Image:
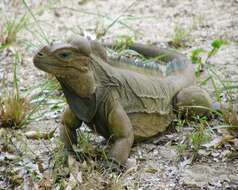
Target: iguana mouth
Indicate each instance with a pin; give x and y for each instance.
(46, 66)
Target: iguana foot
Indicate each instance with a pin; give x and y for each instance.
(121, 149)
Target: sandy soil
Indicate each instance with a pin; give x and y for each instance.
(155, 164)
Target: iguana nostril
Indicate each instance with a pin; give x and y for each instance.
(40, 54)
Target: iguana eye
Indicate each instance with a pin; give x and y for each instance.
(64, 55)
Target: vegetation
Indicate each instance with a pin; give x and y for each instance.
(204, 64)
(13, 108)
(10, 29)
(41, 161)
(199, 136)
(122, 43)
(180, 37)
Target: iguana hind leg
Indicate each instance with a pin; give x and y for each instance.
(192, 101)
(195, 101)
(68, 128)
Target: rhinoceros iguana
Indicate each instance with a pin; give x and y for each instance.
(121, 102)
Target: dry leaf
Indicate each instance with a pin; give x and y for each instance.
(46, 182)
(40, 135)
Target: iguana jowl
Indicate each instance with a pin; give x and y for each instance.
(123, 105)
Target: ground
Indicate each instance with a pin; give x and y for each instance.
(166, 161)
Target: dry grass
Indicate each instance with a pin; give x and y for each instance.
(13, 111)
(93, 174)
(10, 29)
(13, 108)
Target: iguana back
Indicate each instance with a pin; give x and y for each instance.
(172, 65)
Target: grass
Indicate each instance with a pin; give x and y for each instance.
(13, 111)
(122, 43)
(86, 151)
(201, 133)
(120, 20)
(181, 149)
(41, 32)
(199, 136)
(93, 174)
(17, 109)
(120, 16)
(180, 37)
(11, 27)
(9, 30)
(13, 107)
(203, 64)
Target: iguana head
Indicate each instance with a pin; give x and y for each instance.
(70, 60)
(64, 59)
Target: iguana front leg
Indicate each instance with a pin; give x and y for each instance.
(122, 133)
(68, 128)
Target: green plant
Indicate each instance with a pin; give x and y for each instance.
(179, 122)
(115, 183)
(13, 111)
(199, 136)
(13, 107)
(181, 148)
(122, 42)
(10, 29)
(181, 37)
(197, 59)
(86, 151)
(203, 64)
(17, 108)
(93, 174)
(59, 159)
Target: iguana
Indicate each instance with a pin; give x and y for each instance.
(123, 104)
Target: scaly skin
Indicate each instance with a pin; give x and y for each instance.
(120, 104)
